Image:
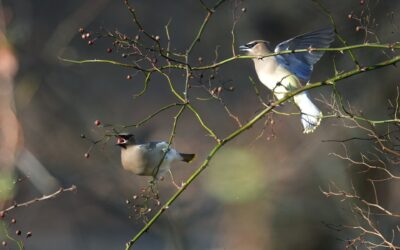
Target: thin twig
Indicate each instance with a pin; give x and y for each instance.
(44, 197)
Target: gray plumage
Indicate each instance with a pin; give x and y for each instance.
(148, 159)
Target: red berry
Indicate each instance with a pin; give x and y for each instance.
(90, 42)
(97, 122)
(81, 30)
(87, 155)
(2, 214)
(128, 77)
(18, 232)
(13, 221)
(28, 234)
(109, 50)
(4, 243)
(362, 2)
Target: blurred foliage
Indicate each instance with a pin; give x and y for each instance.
(234, 176)
(6, 186)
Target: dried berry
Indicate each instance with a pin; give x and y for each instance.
(28, 234)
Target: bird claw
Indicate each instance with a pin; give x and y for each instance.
(179, 187)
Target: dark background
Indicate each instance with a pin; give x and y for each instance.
(256, 194)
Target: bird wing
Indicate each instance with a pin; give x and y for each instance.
(301, 64)
(158, 147)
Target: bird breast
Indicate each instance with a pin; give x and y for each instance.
(274, 76)
(137, 161)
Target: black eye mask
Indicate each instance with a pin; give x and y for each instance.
(251, 45)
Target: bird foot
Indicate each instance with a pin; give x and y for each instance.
(179, 187)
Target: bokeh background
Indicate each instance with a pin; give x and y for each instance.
(258, 193)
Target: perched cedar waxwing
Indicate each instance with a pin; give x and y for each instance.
(147, 159)
(287, 72)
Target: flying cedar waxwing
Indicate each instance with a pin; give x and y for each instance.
(287, 72)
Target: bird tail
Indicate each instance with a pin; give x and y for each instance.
(187, 157)
(311, 116)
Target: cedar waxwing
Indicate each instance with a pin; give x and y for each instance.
(148, 159)
(286, 72)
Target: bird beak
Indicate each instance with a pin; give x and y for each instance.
(244, 48)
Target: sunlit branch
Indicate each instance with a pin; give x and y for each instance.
(247, 126)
